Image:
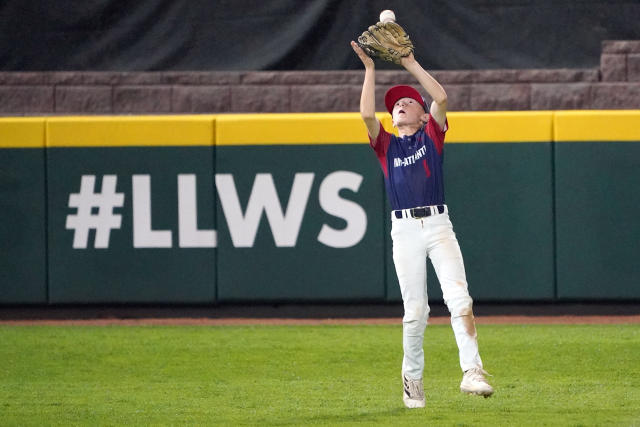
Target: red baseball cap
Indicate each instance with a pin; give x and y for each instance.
(402, 91)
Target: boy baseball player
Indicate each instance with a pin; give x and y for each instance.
(412, 167)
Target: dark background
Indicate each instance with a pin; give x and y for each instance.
(153, 35)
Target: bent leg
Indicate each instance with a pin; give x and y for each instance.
(446, 258)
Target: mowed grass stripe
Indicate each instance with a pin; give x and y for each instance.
(320, 375)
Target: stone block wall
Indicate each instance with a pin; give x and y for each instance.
(614, 85)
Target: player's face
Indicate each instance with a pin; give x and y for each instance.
(407, 111)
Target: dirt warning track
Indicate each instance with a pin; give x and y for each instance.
(312, 314)
(481, 320)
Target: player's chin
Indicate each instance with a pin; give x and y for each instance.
(403, 121)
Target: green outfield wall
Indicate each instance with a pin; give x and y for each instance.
(291, 207)
(148, 248)
(23, 277)
(597, 187)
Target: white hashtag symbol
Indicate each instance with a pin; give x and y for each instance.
(85, 201)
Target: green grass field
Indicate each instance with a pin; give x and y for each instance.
(568, 375)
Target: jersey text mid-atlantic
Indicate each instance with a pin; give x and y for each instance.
(410, 159)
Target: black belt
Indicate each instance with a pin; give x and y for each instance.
(421, 212)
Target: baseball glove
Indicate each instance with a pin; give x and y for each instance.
(387, 41)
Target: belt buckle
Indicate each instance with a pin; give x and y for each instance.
(420, 212)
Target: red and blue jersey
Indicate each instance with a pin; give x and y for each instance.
(412, 166)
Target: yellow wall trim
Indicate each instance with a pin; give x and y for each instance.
(500, 126)
(309, 129)
(291, 129)
(22, 132)
(597, 125)
(117, 131)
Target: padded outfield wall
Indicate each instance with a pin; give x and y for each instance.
(291, 207)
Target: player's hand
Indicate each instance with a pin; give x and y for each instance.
(366, 60)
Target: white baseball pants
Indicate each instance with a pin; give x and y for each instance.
(413, 241)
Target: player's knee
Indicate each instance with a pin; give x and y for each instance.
(461, 306)
(416, 312)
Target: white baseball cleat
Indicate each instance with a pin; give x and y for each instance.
(413, 394)
(474, 382)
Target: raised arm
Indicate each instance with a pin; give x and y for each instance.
(368, 96)
(439, 105)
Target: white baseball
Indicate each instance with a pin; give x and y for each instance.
(387, 16)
